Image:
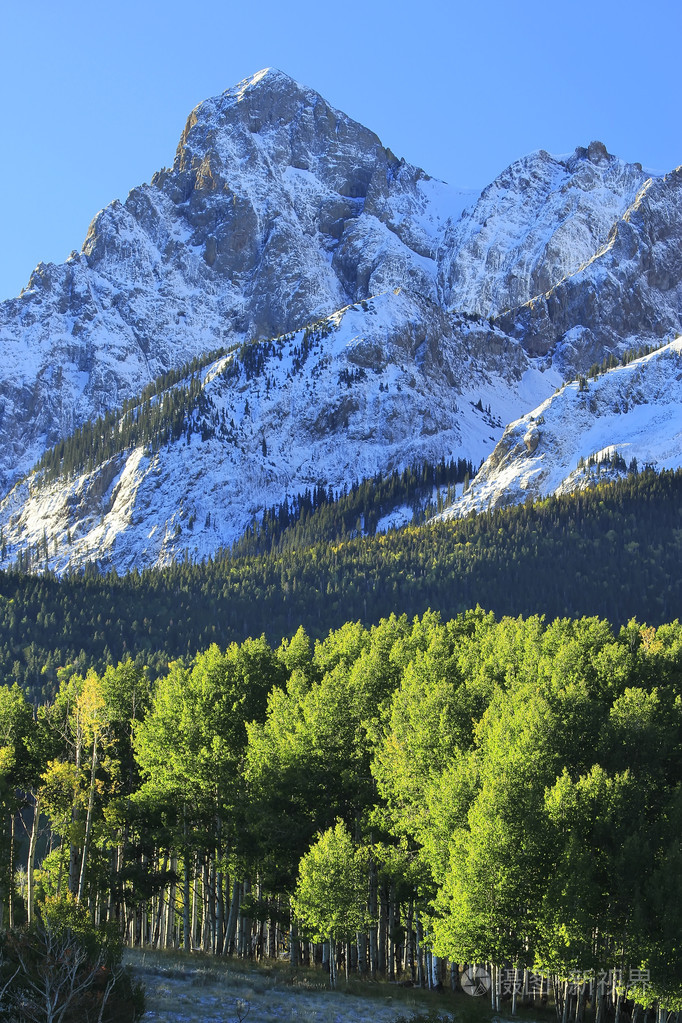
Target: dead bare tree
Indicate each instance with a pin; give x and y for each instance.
(58, 977)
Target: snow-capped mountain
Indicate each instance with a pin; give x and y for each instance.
(590, 431)
(431, 304)
(277, 210)
(630, 289)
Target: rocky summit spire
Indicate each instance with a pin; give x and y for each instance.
(270, 117)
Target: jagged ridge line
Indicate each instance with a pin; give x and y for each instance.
(333, 319)
(606, 247)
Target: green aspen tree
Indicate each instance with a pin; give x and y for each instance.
(331, 893)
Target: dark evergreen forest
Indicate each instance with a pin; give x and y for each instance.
(614, 551)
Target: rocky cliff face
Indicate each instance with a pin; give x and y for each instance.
(630, 289)
(535, 225)
(366, 390)
(279, 211)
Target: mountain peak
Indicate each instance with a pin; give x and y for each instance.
(268, 97)
(266, 78)
(434, 318)
(596, 153)
(274, 108)
(262, 127)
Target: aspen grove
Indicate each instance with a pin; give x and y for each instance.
(398, 801)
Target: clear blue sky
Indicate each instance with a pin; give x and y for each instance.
(94, 95)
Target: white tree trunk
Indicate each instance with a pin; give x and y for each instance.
(88, 821)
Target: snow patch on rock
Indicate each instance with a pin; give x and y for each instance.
(568, 441)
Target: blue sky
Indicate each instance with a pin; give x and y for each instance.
(94, 95)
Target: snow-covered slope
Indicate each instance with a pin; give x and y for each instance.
(353, 396)
(571, 440)
(536, 224)
(631, 288)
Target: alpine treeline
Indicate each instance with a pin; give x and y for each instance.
(614, 551)
(175, 405)
(320, 514)
(401, 799)
(164, 411)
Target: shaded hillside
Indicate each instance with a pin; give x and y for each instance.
(615, 551)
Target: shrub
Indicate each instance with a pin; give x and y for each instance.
(62, 969)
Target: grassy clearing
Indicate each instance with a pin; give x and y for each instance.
(199, 989)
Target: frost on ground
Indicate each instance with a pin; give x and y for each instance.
(193, 992)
